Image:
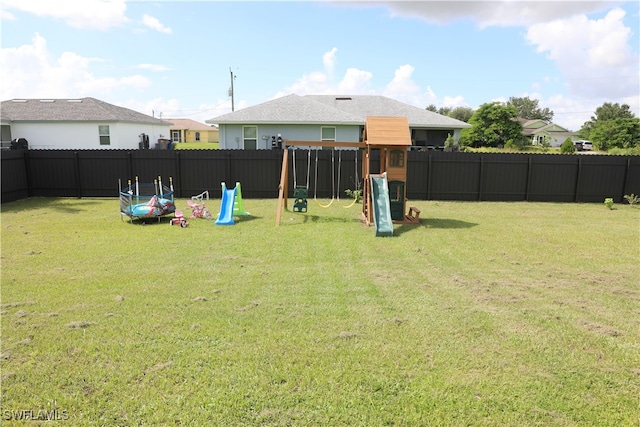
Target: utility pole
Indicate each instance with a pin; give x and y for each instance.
(231, 90)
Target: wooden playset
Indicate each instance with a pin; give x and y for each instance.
(392, 137)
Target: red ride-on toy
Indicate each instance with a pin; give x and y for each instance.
(198, 208)
(179, 219)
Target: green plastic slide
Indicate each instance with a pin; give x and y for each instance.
(381, 205)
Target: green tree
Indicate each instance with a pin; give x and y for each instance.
(620, 133)
(461, 113)
(432, 107)
(493, 125)
(612, 125)
(444, 111)
(528, 108)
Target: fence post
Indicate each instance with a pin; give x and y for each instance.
(76, 168)
(178, 172)
(625, 182)
(579, 173)
(130, 156)
(481, 173)
(528, 189)
(27, 172)
(429, 175)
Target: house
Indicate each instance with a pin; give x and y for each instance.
(537, 131)
(327, 118)
(187, 130)
(84, 123)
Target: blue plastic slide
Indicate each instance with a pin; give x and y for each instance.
(381, 205)
(225, 217)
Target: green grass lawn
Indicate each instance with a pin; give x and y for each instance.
(485, 314)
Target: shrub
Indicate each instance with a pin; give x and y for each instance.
(608, 202)
(567, 147)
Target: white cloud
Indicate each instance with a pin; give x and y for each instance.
(454, 101)
(493, 13)
(595, 56)
(403, 88)
(329, 60)
(97, 14)
(570, 113)
(315, 82)
(355, 82)
(155, 24)
(359, 82)
(29, 71)
(152, 67)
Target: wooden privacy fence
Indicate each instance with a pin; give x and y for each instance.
(431, 175)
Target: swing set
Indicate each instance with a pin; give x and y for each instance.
(381, 206)
(301, 192)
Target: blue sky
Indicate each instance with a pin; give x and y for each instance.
(173, 58)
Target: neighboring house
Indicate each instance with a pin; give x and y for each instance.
(5, 133)
(85, 123)
(537, 131)
(327, 118)
(187, 130)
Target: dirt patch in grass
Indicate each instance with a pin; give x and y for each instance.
(80, 325)
(160, 366)
(598, 328)
(249, 306)
(16, 304)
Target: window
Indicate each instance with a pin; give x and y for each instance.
(175, 136)
(197, 136)
(328, 133)
(103, 131)
(250, 137)
(396, 159)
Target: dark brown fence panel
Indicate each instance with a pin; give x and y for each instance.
(632, 178)
(257, 171)
(148, 165)
(100, 172)
(504, 178)
(601, 177)
(454, 176)
(432, 175)
(200, 170)
(418, 168)
(553, 178)
(15, 185)
(53, 173)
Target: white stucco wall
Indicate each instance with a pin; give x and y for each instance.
(85, 135)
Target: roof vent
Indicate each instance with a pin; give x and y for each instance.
(47, 100)
(18, 100)
(74, 100)
(345, 98)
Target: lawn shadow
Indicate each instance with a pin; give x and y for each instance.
(327, 219)
(445, 223)
(432, 223)
(55, 204)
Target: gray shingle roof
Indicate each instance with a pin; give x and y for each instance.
(290, 109)
(82, 109)
(336, 110)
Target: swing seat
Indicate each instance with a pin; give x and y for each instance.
(300, 194)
